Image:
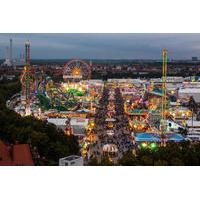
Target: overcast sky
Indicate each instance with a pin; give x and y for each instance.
(104, 46)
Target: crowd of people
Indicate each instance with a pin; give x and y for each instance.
(108, 120)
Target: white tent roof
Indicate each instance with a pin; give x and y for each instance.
(110, 120)
(195, 123)
(79, 122)
(57, 121)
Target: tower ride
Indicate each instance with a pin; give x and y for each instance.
(164, 96)
(27, 77)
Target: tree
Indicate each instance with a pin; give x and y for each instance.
(161, 163)
(128, 159)
(50, 143)
(176, 162)
(106, 161)
(146, 160)
(93, 162)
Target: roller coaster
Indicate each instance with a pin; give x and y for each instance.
(64, 96)
(51, 96)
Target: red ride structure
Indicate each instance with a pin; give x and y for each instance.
(25, 79)
(27, 49)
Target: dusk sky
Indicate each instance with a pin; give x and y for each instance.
(103, 46)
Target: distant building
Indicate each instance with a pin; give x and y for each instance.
(118, 67)
(9, 60)
(71, 161)
(194, 58)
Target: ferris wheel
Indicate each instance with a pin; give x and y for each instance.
(76, 70)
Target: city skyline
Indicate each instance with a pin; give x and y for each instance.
(103, 46)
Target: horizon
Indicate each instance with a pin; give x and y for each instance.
(112, 59)
(104, 46)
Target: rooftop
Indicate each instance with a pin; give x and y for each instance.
(22, 155)
(72, 157)
(19, 154)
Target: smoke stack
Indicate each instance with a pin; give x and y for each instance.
(27, 52)
(7, 53)
(11, 50)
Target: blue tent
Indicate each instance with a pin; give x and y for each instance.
(147, 137)
(175, 138)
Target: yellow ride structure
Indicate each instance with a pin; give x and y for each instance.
(164, 90)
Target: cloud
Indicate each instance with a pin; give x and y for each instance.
(113, 45)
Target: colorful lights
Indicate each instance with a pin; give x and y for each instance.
(144, 145)
(152, 146)
(92, 124)
(110, 125)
